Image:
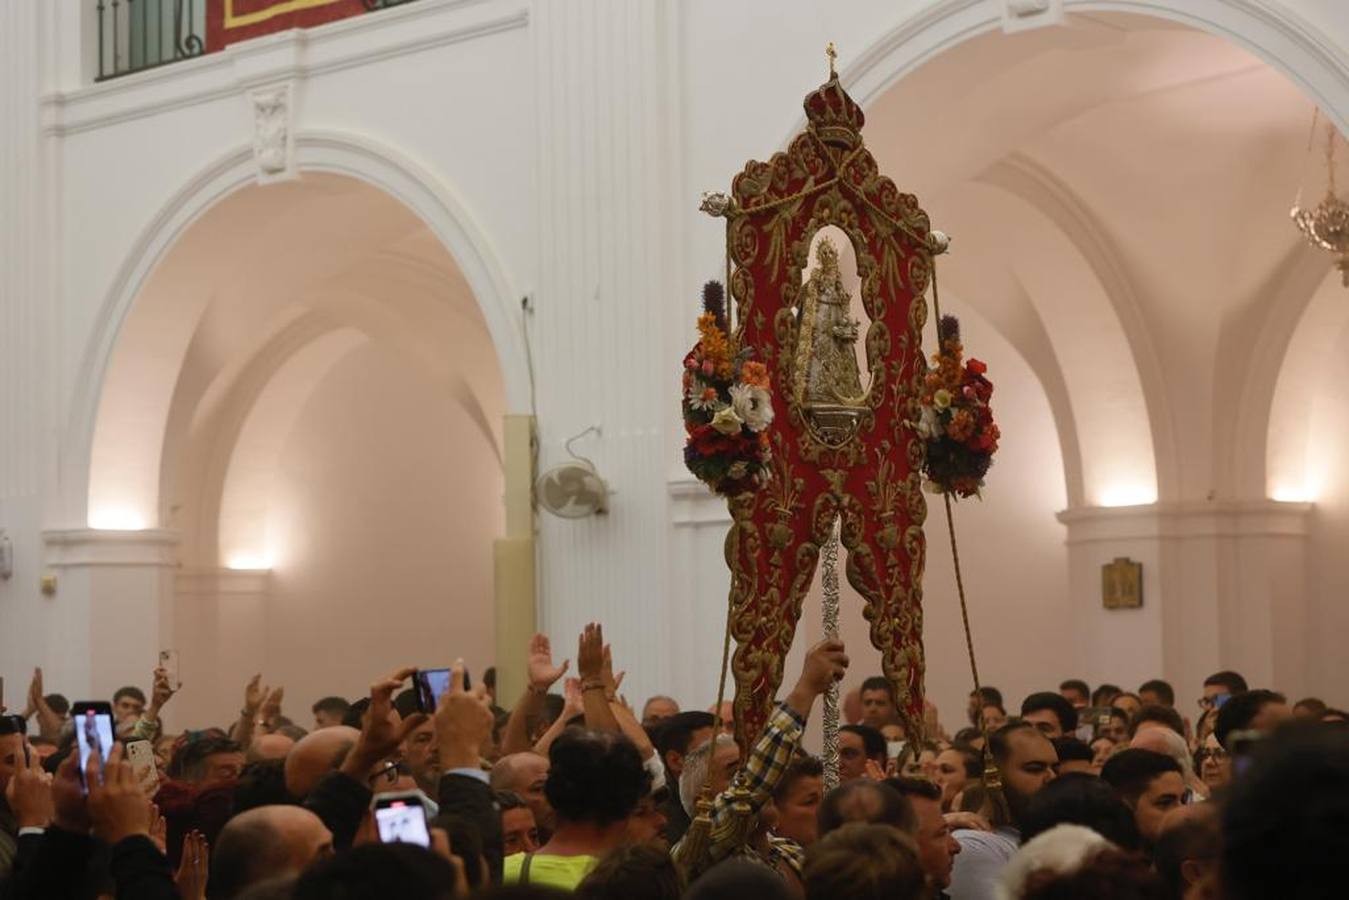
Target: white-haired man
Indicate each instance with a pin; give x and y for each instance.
(742, 791)
(1165, 741)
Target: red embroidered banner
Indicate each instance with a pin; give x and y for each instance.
(231, 21)
(843, 445)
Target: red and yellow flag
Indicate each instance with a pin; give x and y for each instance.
(231, 21)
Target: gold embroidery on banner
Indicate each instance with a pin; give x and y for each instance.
(779, 207)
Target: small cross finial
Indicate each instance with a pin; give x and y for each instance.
(832, 53)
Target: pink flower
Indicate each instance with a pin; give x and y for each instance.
(709, 368)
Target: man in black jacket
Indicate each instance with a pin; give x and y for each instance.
(115, 815)
(463, 727)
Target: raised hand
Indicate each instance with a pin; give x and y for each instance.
(161, 693)
(117, 805)
(572, 704)
(874, 771)
(463, 723)
(159, 829)
(611, 683)
(379, 736)
(35, 695)
(590, 654)
(254, 694)
(542, 673)
(29, 793)
(271, 707)
(825, 664)
(195, 867)
(68, 795)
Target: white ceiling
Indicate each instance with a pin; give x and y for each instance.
(1166, 160)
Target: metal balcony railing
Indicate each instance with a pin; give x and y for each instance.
(135, 35)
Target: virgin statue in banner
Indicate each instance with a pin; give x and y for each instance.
(839, 449)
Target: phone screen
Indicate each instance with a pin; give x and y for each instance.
(402, 822)
(168, 661)
(93, 728)
(432, 684)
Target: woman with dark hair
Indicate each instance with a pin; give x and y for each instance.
(595, 780)
(957, 765)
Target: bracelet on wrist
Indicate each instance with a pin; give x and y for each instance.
(593, 686)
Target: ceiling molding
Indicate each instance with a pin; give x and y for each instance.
(66, 548)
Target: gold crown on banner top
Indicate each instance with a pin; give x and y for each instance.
(834, 116)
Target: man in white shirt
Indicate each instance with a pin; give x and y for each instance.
(1026, 760)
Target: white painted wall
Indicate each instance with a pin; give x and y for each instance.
(1328, 611)
(386, 504)
(564, 145)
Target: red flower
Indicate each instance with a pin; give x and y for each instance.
(975, 366)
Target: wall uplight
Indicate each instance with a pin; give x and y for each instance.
(249, 562)
(116, 518)
(1126, 495)
(1291, 493)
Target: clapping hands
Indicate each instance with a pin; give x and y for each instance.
(542, 673)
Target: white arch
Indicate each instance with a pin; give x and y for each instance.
(432, 201)
(1273, 33)
(1297, 465)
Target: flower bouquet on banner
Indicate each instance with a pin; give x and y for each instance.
(955, 419)
(727, 404)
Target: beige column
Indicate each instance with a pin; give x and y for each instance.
(513, 556)
(111, 594)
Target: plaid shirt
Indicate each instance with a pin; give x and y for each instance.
(735, 812)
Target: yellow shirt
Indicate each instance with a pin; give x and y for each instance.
(562, 872)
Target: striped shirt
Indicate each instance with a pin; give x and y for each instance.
(735, 811)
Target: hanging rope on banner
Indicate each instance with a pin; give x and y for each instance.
(938, 243)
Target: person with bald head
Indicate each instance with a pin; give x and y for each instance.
(269, 746)
(1164, 740)
(863, 800)
(330, 769)
(526, 774)
(317, 754)
(657, 710)
(265, 843)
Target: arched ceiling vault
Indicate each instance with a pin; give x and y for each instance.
(240, 322)
(1145, 171)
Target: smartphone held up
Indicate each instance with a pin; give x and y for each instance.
(431, 685)
(168, 661)
(93, 730)
(401, 818)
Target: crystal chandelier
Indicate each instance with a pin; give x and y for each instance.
(1327, 224)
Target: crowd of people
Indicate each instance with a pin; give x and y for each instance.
(1077, 792)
